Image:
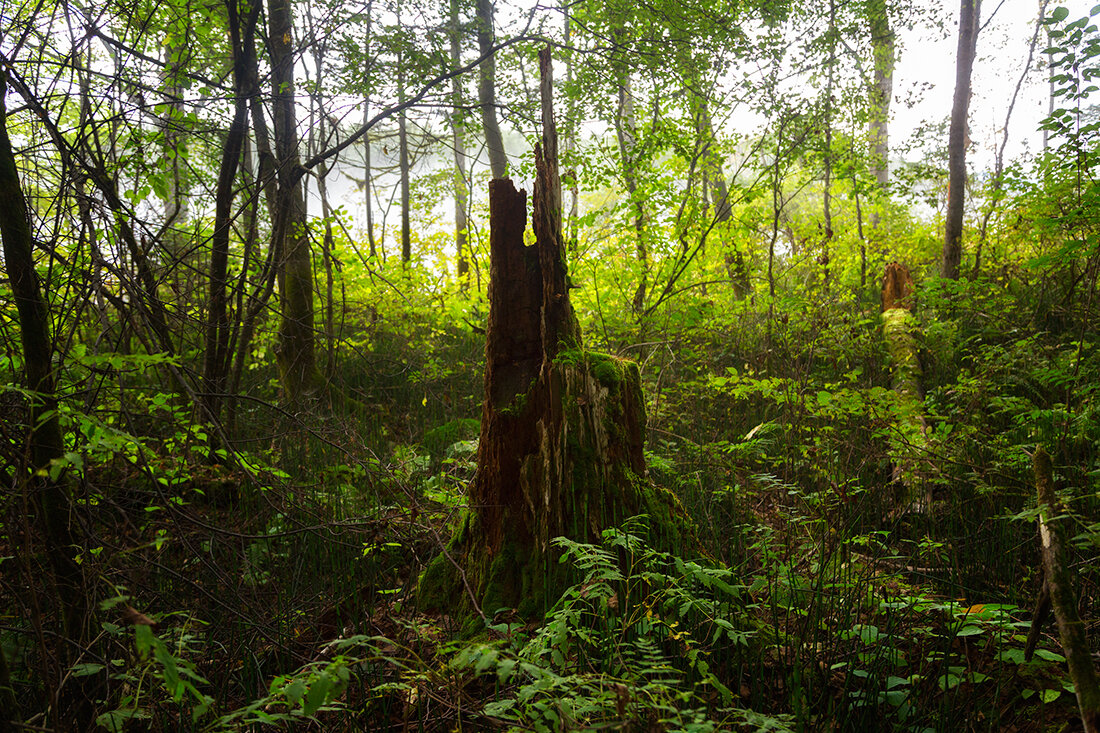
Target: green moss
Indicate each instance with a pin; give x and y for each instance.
(570, 357)
(609, 370)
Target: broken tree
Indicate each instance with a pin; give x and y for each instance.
(899, 330)
(562, 429)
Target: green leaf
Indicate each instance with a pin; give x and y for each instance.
(317, 695)
(143, 638)
(1048, 696)
(87, 669)
(169, 671)
(294, 691)
(1060, 13)
(949, 681)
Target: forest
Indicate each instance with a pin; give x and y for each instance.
(462, 365)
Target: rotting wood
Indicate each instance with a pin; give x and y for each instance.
(899, 331)
(1059, 582)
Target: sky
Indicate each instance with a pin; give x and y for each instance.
(1002, 54)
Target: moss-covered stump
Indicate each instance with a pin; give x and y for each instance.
(581, 470)
(562, 429)
(899, 331)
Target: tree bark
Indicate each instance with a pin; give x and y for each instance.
(1058, 577)
(296, 349)
(970, 11)
(486, 90)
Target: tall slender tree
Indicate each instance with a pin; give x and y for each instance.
(216, 356)
(486, 90)
(969, 15)
(296, 348)
(883, 49)
(458, 141)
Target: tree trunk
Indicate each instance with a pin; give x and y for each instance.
(1058, 576)
(882, 93)
(403, 163)
(626, 130)
(562, 429)
(970, 12)
(458, 133)
(569, 148)
(827, 157)
(910, 435)
(486, 90)
(295, 354)
(715, 178)
(216, 357)
(45, 483)
(367, 168)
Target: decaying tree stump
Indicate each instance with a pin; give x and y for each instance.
(562, 429)
(899, 330)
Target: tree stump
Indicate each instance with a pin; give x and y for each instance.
(562, 429)
(899, 330)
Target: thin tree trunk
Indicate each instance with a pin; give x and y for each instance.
(827, 203)
(321, 141)
(486, 91)
(777, 209)
(47, 486)
(626, 130)
(1058, 576)
(216, 357)
(970, 12)
(715, 182)
(569, 143)
(882, 93)
(176, 210)
(368, 195)
(296, 348)
(458, 132)
(403, 163)
(859, 233)
(266, 180)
